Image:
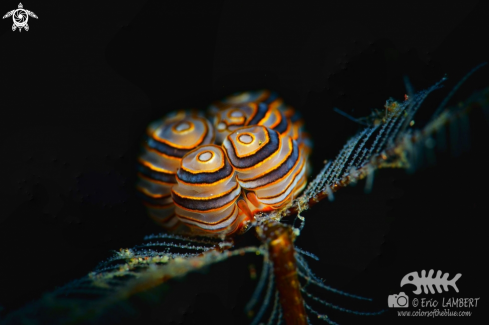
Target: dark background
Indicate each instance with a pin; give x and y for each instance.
(78, 89)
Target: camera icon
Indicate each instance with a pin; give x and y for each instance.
(398, 301)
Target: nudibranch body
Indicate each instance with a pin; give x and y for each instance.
(212, 175)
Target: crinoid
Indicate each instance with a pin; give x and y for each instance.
(262, 271)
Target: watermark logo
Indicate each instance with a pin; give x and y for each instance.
(398, 301)
(431, 307)
(20, 16)
(428, 282)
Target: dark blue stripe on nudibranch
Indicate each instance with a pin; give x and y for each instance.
(205, 178)
(271, 98)
(282, 170)
(205, 205)
(262, 109)
(264, 152)
(297, 116)
(158, 176)
(282, 126)
(166, 149)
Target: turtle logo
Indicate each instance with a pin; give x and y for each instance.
(20, 17)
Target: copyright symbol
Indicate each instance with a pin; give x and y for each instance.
(415, 302)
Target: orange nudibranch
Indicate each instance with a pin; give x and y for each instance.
(211, 175)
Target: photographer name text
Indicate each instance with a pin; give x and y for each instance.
(450, 302)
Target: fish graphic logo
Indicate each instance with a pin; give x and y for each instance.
(428, 282)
